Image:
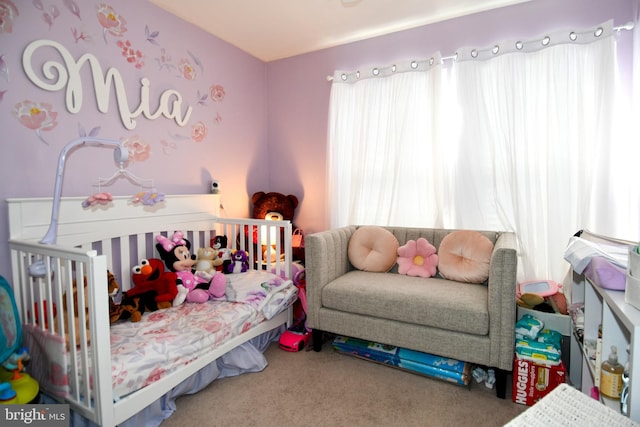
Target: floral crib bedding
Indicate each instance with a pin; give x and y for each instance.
(145, 351)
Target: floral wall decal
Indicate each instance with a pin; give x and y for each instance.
(73, 7)
(133, 56)
(49, 14)
(186, 70)
(164, 61)
(196, 60)
(150, 36)
(4, 68)
(8, 12)
(167, 146)
(83, 133)
(80, 35)
(139, 150)
(111, 22)
(38, 116)
(217, 92)
(62, 74)
(198, 132)
(202, 98)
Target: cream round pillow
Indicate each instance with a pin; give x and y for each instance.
(464, 256)
(373, 248)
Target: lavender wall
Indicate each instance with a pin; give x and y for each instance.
(299, 91)
(172, 55)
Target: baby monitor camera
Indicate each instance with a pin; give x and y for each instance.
(215, 186)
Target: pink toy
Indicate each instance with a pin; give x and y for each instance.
(97, 199)
(417, 258)
(295, 338)
(202, 286)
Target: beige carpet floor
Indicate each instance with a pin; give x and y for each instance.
(332, 389)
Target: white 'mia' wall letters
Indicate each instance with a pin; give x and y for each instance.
(68, 74)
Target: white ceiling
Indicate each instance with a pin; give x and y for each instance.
(276, 29)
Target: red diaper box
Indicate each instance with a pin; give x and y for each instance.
(532, 381)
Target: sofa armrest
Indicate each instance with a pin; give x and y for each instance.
(502, 299)
(326, 258)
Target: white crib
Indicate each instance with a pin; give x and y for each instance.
(114, 237)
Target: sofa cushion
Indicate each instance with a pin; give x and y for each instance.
(465, 255)
(432, 302)
(372, 248)
(417, 258)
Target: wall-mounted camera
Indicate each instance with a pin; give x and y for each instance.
(215, 186)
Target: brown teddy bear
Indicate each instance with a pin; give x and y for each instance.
(265, 203)
(276, 206)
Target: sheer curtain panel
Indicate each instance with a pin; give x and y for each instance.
(536, 142)
(382, 160)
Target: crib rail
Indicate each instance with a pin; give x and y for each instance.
(52, 298)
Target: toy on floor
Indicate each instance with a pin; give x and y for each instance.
(16, 386)
(297, 336)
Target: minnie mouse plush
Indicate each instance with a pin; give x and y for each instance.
(175, 252)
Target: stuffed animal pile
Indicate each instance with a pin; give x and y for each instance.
(154, 289)
(201, 285)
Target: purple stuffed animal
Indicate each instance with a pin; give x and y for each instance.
(239, 262)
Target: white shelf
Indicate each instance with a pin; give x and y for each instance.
(619, 322)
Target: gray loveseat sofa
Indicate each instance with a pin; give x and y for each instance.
(468, 322)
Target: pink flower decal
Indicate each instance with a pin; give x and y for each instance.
(110, 21)
(38, 116)
(217, 92)
(8, 12)
(198, 132)
(132, 56)
(186, 69)
(417, 258)
(138, 150)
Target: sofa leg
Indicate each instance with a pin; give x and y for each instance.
(316, 336)
(501, 383)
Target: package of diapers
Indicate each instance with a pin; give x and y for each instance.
(528, 327)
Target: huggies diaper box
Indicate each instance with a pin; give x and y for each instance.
(533, 381)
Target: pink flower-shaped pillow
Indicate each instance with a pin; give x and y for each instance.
(417, 258)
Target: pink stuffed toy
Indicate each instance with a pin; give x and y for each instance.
(202, 286)
(417, 258)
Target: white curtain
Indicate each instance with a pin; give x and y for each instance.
(518, 137)
(382, 160)
(536, 143)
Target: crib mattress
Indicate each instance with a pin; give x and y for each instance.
(164, 340)
(145, 351)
